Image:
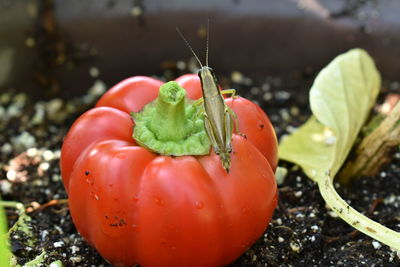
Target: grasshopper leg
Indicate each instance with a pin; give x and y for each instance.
(223, 92)
(235, 120)
(233, 95)
(210, 133)
(198, 102)
(228, 130)
(232, 92)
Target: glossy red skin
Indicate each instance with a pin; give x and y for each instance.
(135, 206)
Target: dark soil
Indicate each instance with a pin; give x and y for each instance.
(303, 231)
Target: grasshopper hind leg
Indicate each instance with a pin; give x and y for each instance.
(228, 130)
(224, 154)
(210, 133)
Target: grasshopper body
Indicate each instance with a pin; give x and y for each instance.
(218, 120)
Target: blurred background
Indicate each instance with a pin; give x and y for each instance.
(52, 48)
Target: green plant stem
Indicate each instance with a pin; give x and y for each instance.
(354, 218)
(171, 125)
(13, 204)
(169, 122)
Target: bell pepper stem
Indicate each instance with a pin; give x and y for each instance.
(171, 124)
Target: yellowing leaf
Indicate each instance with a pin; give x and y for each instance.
(303, 146)
(341, 98)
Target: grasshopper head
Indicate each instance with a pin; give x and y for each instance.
(206, 72)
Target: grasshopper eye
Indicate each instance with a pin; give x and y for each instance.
(217, 152)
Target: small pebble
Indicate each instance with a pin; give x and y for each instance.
(23, 141)
(13, 111)
(56, 264)
(76, 259)
(20, 99)
(57, 154)
(59, 229)
(236, 76)
(298, 194)
(11, 175)
(39, 115)
(285, 114)
(58, 244)
(53, 106)
(376, 244)
(333, 214)
(181, 65)
(48, 155)
(390, 199)
(74, 249)
(267, 96)
(254, 259)
(44, 166)
(44, 234)
(56, 177)
(295, 247)
(5, 186)
(6, 148)
(282, 95)
(5, 98)
(98, 88)
(32, 152)
(280, 175)
(94, 72)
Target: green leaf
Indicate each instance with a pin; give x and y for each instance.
(5, 253)
(341, 99)
(310, 142)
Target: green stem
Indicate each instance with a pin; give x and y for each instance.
(171, 124)
(13, 204)
(356, 219)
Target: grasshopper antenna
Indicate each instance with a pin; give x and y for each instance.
(188, 45)
(208, 37)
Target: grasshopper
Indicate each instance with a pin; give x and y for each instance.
(218, 117)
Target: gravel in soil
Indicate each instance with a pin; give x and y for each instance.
(303, 232)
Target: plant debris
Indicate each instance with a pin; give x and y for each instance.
(375, 148)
